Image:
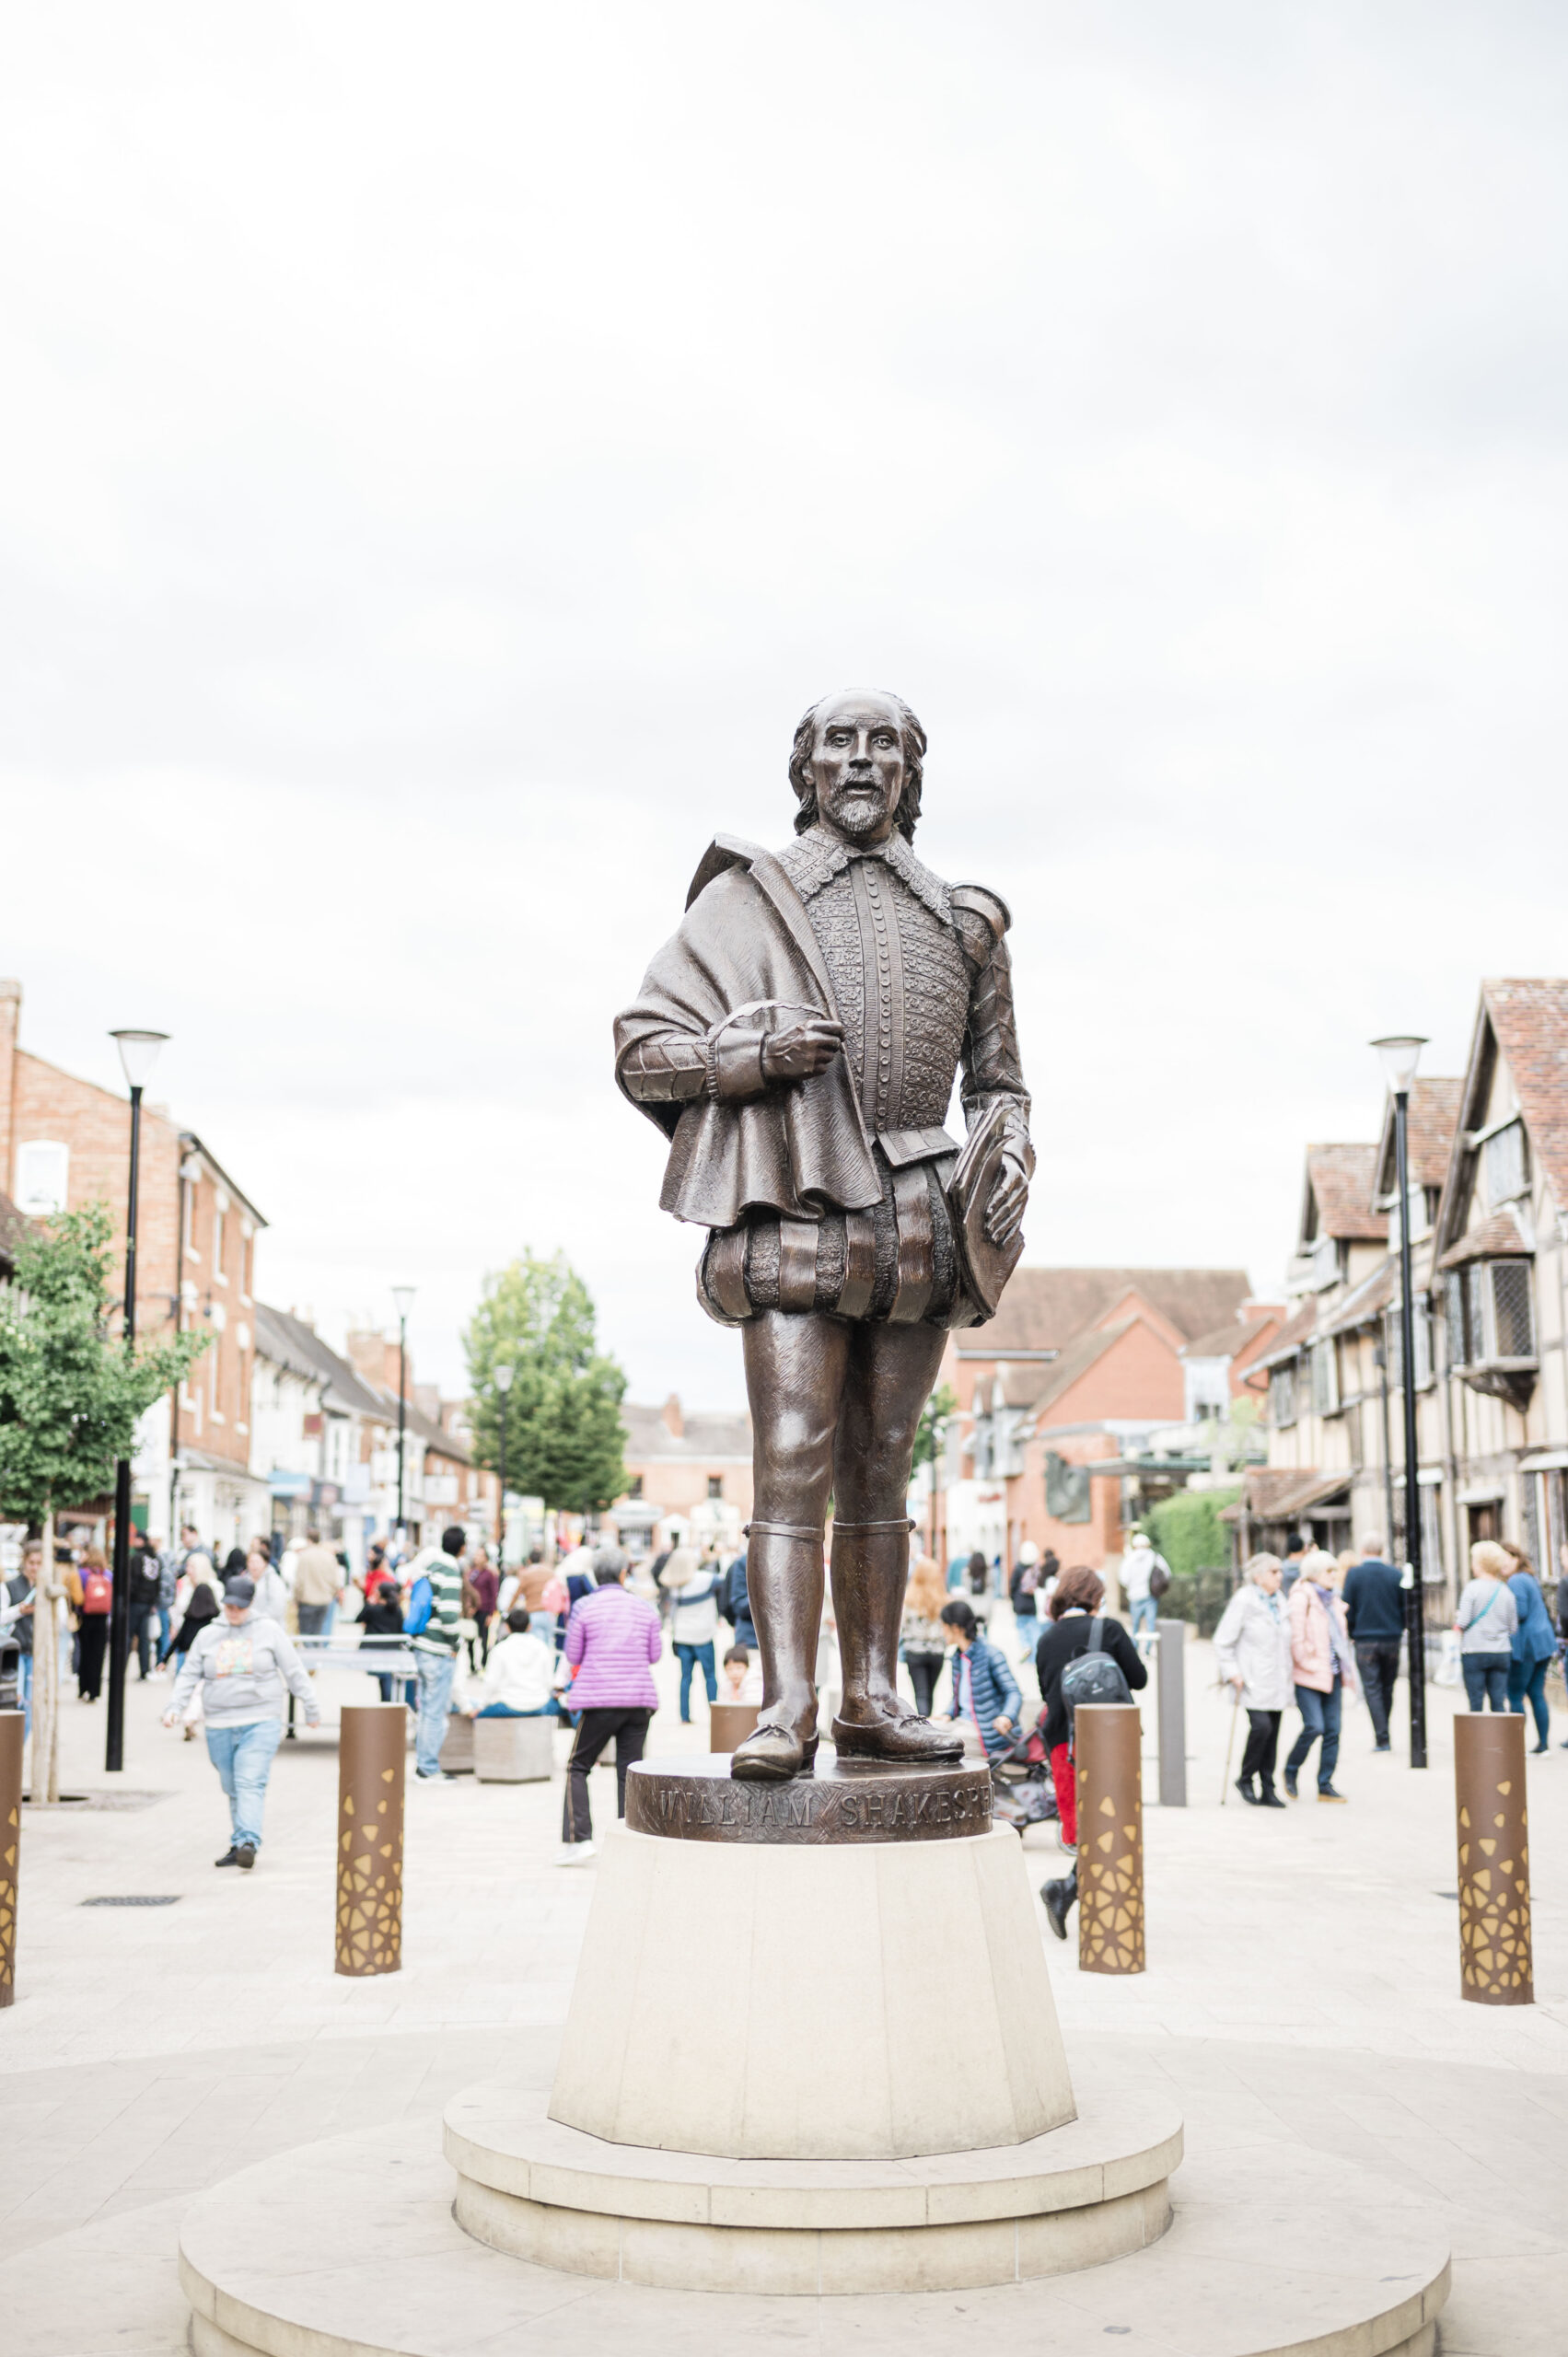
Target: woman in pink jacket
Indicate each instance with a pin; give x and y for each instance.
(612, 1641)
(1322, 1666)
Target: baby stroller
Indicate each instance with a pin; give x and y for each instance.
(1025, 1794)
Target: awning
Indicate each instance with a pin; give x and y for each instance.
(1275, 1493)
(1497, 1238)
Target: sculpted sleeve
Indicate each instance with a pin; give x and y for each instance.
(991, 1066)
(673, 1067)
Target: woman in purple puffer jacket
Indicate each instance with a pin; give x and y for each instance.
(612, 1641)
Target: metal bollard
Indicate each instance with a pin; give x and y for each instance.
(1107, 1745)
(372, 1751)
(1171, 1672)
(1495, 1965)
(12, 1723)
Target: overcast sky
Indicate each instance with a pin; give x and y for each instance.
(446, 447)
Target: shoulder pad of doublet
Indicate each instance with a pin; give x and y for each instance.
(978, 900)
(725, 852)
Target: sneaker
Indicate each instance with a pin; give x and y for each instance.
(1386, 1747)
(434, 1776)
(245, 1856)
(229, 1858)
(575, 1853)
(1290, 1783)
(1326, 1792)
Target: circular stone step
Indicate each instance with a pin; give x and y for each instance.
(697, 1798)
(1086, 2192)
(349, 2248)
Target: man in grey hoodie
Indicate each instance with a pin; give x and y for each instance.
(244, 1665)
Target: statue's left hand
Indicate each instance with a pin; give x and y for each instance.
(1004, 1211)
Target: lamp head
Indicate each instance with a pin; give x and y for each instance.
(402, 1301)
(1400, 1054)
(138, 1054)
(502, 1378)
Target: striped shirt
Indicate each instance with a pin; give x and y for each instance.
(439, 1635)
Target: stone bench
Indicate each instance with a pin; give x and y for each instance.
(514, 1751)
(457, 1750)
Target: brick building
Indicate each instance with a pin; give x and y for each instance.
(685, 1475)
(441, 1481)
(1078, 1368)
(66, 1143)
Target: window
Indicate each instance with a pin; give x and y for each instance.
(217, 1242)
(43, 1170)
(1504, 1165)
(1324, 1258)
(1489, 1313)
(635, 1486)
(1530, 1500)
(1324, 1380)
(716, 1485)
(1430, 1533)
(1282, 1394)
(1394, 1343)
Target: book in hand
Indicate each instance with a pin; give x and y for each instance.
(986, 1266)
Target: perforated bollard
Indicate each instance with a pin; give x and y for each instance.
(11, 1729)
(1107, 1747)
(1495, 1965)
(372, 1753)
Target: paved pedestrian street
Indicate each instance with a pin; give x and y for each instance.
(1302, 1984)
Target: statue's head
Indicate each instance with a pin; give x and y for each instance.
(856, 762)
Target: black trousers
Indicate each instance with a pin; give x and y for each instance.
(925, 1670)
(594, 1728)
(89, 1657)
(1377, 1659)
(1262, 1742)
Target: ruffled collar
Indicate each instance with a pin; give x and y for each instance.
(815, 858)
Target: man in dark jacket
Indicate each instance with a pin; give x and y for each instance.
(735, 1604)
(1375, 1611)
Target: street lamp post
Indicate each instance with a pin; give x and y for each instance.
(1400, 1055)
(503, 1376)
(403, 1302)
(138, 1054)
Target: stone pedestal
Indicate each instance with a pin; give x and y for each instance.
(456, 1756)
(827, 1974)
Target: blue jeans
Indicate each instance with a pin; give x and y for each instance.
(435, 1671)
(1145, 1613)
(24, 1691)
(1319, 1718)
(689, 1657)
(1527, 1681)
(550, 1709)
(243, 1757)
(1486, 1680)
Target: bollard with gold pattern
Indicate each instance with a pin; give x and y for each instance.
(11, 1729)
(1108, 1756)
(372, 1750)
(1495, 1965)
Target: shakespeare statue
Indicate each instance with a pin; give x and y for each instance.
(797, 1041)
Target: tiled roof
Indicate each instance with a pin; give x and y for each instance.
(1497, 1238)
(1041, 1387)
(1429, 1134)
(1290, 1336)
(1363, 1303)
(1227, 1341)
(1044, 1309)
(1340, 1179)
(287, 1341)
(712, 1437)
(1273, 1494)
(1530, 1020)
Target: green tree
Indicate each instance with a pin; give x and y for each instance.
(70, 1397)
(564, 1435)
(943, 1403)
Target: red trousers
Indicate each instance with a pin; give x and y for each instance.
(1066, 1789)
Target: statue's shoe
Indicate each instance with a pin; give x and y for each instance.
(772, 1753)
(911, 1740)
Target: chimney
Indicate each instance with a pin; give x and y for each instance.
(10, 1021)
(671, 1417)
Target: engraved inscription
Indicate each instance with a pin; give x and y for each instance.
(694, 1806)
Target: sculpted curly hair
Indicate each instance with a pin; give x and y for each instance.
(804, 745)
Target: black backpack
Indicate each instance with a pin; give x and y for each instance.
(1092, 1677)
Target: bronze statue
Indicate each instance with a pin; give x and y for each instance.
(798, 1040)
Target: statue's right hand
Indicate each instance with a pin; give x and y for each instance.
(802, 1049)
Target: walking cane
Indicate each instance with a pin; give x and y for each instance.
(1230, 1746)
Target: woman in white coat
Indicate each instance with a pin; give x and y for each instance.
(1252, 1649)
